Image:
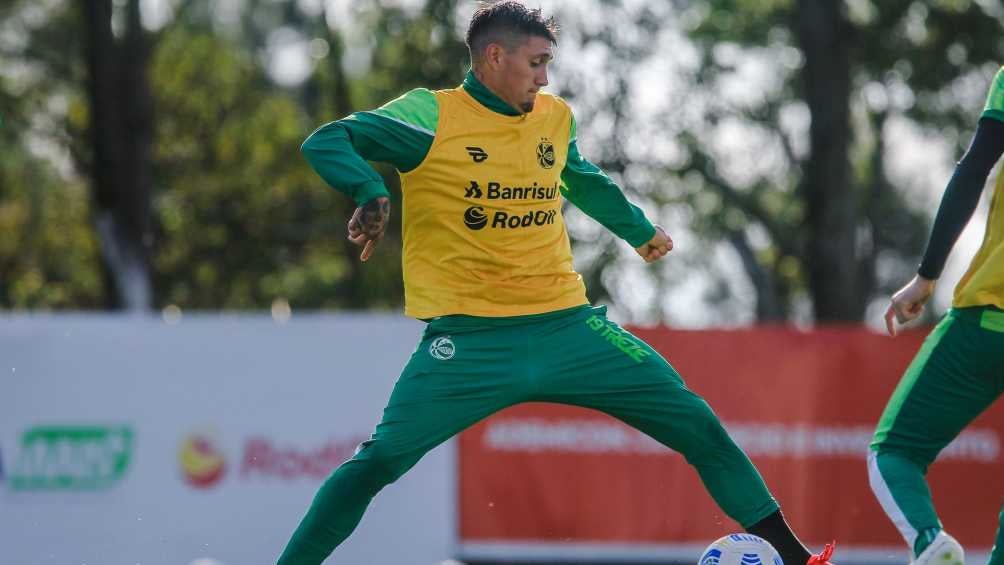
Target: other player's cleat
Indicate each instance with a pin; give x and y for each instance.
(823, 557)
(944, 550)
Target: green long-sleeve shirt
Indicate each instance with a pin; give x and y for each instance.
(401, 133)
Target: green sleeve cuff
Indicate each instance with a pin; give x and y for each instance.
(642, 234)
(993, 113)
(368, 191)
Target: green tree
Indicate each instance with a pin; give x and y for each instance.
(837, 228)
(243, 222)
(49, 255)
(770, 138)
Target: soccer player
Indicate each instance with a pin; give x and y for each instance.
(487, 263)
(959, 371)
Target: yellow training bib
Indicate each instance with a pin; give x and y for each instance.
(482, 225)
(983, 283)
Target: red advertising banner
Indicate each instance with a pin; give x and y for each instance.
(802, 404)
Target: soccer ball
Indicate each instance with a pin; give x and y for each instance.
(740, 549)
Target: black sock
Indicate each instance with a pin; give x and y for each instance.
(775, 530)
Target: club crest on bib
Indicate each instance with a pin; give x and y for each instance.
(545, 153)
(442, 348)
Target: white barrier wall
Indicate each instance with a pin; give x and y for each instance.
(128, 440)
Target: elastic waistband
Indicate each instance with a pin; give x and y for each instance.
(460, 321)
(976, 312)
(988, 316)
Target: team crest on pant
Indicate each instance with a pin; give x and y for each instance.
(442, 348)
(545, 153)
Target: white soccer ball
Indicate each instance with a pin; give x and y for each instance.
(740, 549)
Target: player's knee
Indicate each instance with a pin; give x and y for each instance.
(708, 421)
(715, 433)
(380, 464)
(899, 461)
(708, 436)
(910, 445)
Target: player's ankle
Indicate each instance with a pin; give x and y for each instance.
(924, 539)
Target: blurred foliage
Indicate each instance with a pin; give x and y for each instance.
(410, 50)
(48, 252)
(725, 153)
(240, 221)
(910, 62)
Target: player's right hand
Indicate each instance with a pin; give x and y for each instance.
(908, 302)
(368, 224)
(657, 247)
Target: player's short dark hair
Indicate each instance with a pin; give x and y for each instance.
(508, 23)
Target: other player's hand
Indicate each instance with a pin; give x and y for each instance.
(368, 224)
(657, 247)
(908, 302)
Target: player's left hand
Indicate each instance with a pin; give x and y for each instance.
(368, 224)
(657, 247)
(908, 302)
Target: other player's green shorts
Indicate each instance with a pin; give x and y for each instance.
(956, 375)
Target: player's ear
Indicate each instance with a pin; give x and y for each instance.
(492, 56)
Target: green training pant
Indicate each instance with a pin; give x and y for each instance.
(956, 375)
(467, 368)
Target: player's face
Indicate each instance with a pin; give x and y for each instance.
(525, 72)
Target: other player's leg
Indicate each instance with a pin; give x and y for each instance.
(953, 378)
(997, 553)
